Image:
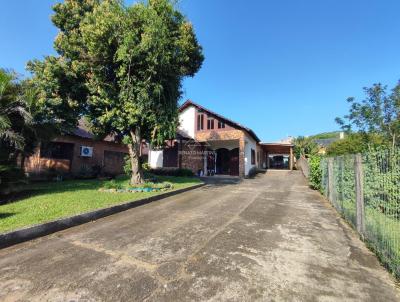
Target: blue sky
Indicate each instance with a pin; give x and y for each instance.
(279, 67)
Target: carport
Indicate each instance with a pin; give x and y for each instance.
(278, 155)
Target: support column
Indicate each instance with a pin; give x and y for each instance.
(291, 158)
(241, 157)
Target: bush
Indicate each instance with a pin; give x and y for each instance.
(112, 184)
(11, 177)
(146, 166)
(315, 177)
(172, 172)
(127, 165)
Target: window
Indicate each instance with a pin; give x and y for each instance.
(210, 123)
(200, 121)
(253, 157)
(56, 150)
(221, 125)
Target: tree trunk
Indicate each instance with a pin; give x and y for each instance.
(134, 154)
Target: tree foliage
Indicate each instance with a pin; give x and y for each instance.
(13, 114)
(315, 176)
(304, 147)
(20, 126)
(354, 143)
(378, 113)
(122, 67)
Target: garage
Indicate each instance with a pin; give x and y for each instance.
(278, 155)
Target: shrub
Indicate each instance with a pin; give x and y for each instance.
(127, 165)
(10, 178)
(315, 177)
(146, 166)
(172, 172)
(112, 184)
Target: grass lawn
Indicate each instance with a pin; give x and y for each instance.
(52, 200)
(382, 234)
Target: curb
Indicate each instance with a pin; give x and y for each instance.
(29, 233)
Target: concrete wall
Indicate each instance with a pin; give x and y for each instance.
(187, 121)
(250, 143)
(156, 158)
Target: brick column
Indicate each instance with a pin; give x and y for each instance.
(241, 157)
(291, 159)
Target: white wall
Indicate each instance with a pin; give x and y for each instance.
(156, 158)
(187, 121)
(250, 143)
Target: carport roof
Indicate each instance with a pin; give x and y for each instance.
(276, 144)
(282, 148)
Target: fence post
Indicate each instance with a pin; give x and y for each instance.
(330, 179)
(358, 175)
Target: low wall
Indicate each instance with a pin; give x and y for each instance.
(303, 165)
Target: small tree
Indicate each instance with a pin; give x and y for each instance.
(304, 147)
(378, 113)
(125, 66)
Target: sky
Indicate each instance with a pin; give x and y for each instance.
(281, 67)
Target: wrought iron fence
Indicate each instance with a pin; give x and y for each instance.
(365, 190)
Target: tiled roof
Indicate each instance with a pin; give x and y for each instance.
(83, 131)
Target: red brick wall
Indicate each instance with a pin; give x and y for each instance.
(191, 158)
(233, 134)
(37, 165)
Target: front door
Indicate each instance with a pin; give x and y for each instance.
(222, 162)
(234, 162)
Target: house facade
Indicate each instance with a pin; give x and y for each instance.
(208, 144)
(78, 153)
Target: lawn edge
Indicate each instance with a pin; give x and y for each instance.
(28, 233)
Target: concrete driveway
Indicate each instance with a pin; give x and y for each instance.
(266, 239)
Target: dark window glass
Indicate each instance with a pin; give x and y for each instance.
(253, 157)
(221, 125)
(210, 123)
(200, 121)
(56, 150)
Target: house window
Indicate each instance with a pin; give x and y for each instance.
(221, 125)
(56, 150)
(253, 157)
(210, 123)
(200, 121)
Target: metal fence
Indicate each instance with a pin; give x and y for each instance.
(365, 190)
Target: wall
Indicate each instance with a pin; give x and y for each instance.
(37, 165)
(156, 158)
(192, 157)
(233, 134)
(187, 121)
(250, 143)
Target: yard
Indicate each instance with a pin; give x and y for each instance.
(48, 201)
(381, 233)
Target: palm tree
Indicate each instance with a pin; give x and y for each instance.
(13, 113)
(304, 146)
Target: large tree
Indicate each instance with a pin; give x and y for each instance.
(377, 114)
(125, 66)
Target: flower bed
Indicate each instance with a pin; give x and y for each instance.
(115, 187)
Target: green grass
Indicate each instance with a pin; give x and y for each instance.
(382, 234)
(52, 200)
